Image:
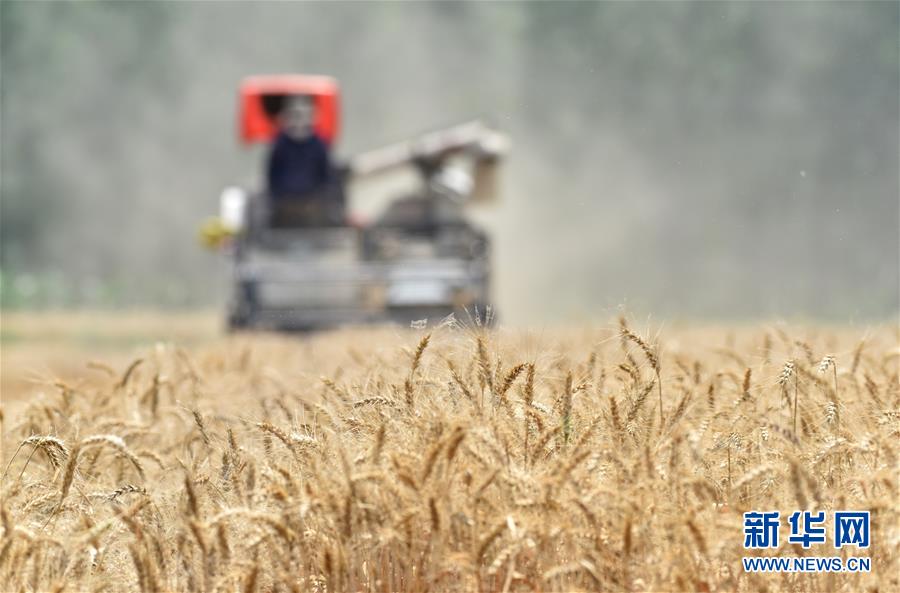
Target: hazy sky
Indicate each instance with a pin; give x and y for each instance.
(686, 159)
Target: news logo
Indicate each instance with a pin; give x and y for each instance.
(807, 529)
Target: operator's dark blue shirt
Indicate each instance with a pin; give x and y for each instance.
(297, 167)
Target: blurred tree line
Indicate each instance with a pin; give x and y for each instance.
(750, 149)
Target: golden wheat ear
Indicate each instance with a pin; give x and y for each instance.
(455, 462)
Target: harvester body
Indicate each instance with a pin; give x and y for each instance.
(421, 258)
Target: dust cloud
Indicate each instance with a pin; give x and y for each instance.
(692, 160)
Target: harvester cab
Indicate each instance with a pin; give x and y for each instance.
(421, 258)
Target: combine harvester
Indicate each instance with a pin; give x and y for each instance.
(421, 258)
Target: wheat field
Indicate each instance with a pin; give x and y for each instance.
(452, 458)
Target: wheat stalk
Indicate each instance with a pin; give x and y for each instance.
(350, 484)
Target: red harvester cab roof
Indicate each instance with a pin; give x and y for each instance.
(260, 93)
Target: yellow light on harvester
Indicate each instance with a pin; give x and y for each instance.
(214, 234)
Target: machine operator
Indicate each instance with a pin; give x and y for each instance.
(299, 171)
